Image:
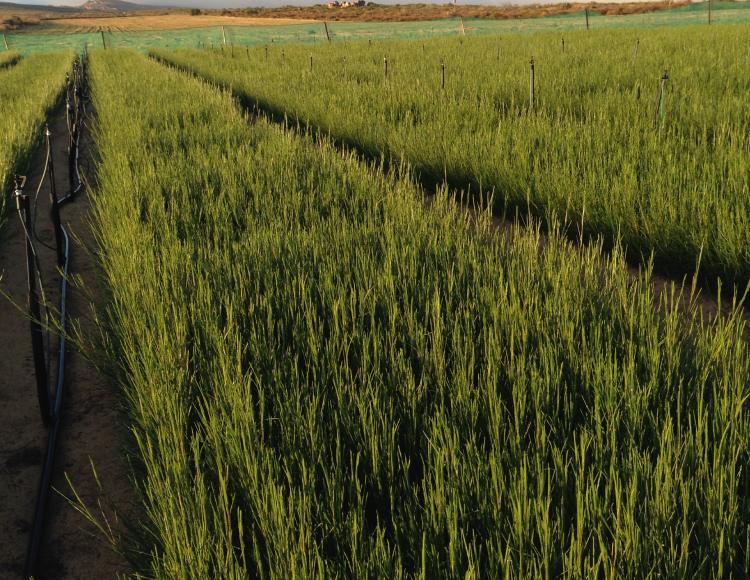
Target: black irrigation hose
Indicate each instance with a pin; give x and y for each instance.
(37, 530)
(74, 128)
(63, 253)
(35, 282)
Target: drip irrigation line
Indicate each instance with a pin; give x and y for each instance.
(35, 540)
(68, 107)
(30, 236)
(54, 402)
(36, 205)
(47, 342)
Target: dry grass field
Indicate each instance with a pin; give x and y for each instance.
(414, 12)
(138, 22)
(21, 18)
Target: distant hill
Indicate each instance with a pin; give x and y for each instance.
(12, 7)
(90, 6)
(112, 6)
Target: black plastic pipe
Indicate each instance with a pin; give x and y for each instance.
(37, 340)
(63, 250)
(37, 530)
(55, 206)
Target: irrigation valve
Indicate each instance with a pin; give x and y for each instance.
(19, 182)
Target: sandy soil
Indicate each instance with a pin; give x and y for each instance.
(91, 426)
(167, 22)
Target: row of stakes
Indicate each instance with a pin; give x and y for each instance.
(424, 49)
(442, 65)
(659, 112)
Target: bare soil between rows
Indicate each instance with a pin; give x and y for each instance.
(91, 428)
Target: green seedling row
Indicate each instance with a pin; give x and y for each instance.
(327, 377)
(595, 149)
(29, 90)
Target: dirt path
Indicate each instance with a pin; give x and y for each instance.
(182, 21)
(91, 425)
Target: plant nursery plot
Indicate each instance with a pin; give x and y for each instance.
(28, 90)
(595, 139)
(325, 377)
